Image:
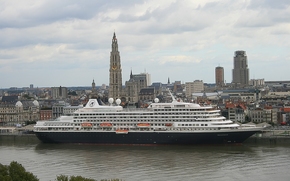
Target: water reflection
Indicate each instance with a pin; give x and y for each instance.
(223, 162)
(143, 160)
(143, 150)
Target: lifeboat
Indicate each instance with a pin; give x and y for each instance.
(168, 124)
(122, 131)
(106, 125)
(87, 125)
(143, 125)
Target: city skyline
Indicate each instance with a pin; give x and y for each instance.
(183, 40)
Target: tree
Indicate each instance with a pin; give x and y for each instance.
(72, 93)
(15, 171)
(4, 175)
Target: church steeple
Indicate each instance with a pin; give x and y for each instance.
(93, 86)
(131, 75)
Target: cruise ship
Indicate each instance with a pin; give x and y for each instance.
(178, 123)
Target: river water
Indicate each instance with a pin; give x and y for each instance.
(142, 163)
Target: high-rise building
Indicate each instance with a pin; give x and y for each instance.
(59, 92)
(240, 71)
(196, 86)
(219, 76)
(115, 83)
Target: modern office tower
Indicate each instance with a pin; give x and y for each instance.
(240, 71)
(219, 76)
(115, 83)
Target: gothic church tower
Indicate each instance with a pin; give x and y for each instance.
(115, 86)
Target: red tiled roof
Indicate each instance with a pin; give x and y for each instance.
(230, 105)
(268, 107)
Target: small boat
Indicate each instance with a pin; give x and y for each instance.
(105, 124)
(122, 131)
(87, 125)
(143, 125)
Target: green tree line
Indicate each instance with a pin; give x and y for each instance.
(16, 172)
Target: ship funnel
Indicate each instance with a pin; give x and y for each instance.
(92, 103)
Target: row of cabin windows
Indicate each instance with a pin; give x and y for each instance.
(150, 124)
(107, 129)
(180, 110)
(125, 124)
(58, 124)
(161, 120)
(128, 124)
(165, 112)
(192, 124)
(145, 115)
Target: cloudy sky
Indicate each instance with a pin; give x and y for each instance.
(68, 43)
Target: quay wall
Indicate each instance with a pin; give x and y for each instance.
(15, 138)
(273, 140)
(270, 137)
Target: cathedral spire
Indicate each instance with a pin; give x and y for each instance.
(114, 38)
(114, 43)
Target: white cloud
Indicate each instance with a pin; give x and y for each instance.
(191, 36)
(178, 59)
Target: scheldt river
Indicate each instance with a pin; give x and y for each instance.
(249, 161)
